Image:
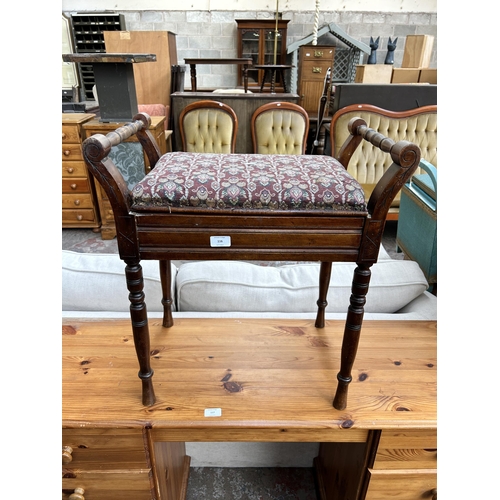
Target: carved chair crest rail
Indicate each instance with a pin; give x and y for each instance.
(199, 206)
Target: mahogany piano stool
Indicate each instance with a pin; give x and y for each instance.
(196, 206)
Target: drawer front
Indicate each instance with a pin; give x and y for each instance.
(74, 169)
(115, 447)
(407, 450)
(314, 70)
(83, 200)
(401, 485)
(71, 133)
(72, 152)
(317, 54)
(83, 215)
(75, 185)
(98, 485)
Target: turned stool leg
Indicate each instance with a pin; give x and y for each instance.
(140, 329)
(166, 288)
(325, 272)
(352, 330)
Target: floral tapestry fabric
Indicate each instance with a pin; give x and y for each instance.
(248, 181)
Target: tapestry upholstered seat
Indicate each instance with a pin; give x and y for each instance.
(221, 206)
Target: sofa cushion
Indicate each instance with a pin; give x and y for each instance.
(241, 286)
(96, 282)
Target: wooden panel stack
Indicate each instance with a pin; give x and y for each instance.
(416, 60)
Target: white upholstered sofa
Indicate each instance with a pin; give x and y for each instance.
(93, 286)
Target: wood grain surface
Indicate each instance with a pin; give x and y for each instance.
(273, 380)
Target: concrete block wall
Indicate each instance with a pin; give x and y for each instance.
(214, 34)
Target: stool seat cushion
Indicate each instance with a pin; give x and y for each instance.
(248, 181)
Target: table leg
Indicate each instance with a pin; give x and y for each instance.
(325, 272)
(352, 331)
(166, 288)
(245, 77)
(285, 88)
(193, 77)
(273, 81)
(263, 81)
(140, 328)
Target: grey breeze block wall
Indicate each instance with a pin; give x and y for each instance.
(214, 34)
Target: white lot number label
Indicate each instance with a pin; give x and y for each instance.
(220, 241)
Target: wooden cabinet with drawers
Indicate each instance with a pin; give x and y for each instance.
(127, 161)
(314, 62)
(383, 446)
(79, 202)
(397, 464)
(405, 466)
(104, 464)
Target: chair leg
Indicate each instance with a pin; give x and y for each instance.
(325, 272)
(352, 331)
(140, 328)
(166, 288)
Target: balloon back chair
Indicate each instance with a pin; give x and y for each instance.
(280, 128)
(208, 127)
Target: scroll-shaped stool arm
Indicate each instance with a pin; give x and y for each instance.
(96, 151)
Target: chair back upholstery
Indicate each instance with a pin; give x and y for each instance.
(368, 163)
(280, 128)
(208, 127)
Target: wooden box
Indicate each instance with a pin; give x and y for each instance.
(418, 51)
(373, 73)
(428, 75)
(405, 75)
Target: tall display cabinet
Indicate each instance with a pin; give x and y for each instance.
(256, 40)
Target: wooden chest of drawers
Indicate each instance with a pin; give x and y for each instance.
(314, 62)
(405, 466)
(157, 129)
(105, 464)
(79, 202)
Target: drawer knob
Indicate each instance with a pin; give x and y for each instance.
(77, 202)
(78, 494)
(316, 69)
(434, 493)
(63, 135)
(73, 186)
(71, 170)
(67, 456)
(79, 217)
(67, 152)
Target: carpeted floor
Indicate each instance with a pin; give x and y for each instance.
(256, 483)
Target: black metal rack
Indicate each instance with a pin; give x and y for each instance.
(88, 37)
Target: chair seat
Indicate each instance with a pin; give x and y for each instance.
(248, 181)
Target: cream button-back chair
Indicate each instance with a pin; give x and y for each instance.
(280, 128)
(368, 163)
(208, 127)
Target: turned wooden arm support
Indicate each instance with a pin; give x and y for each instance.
(405, 156)
(96, 151)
